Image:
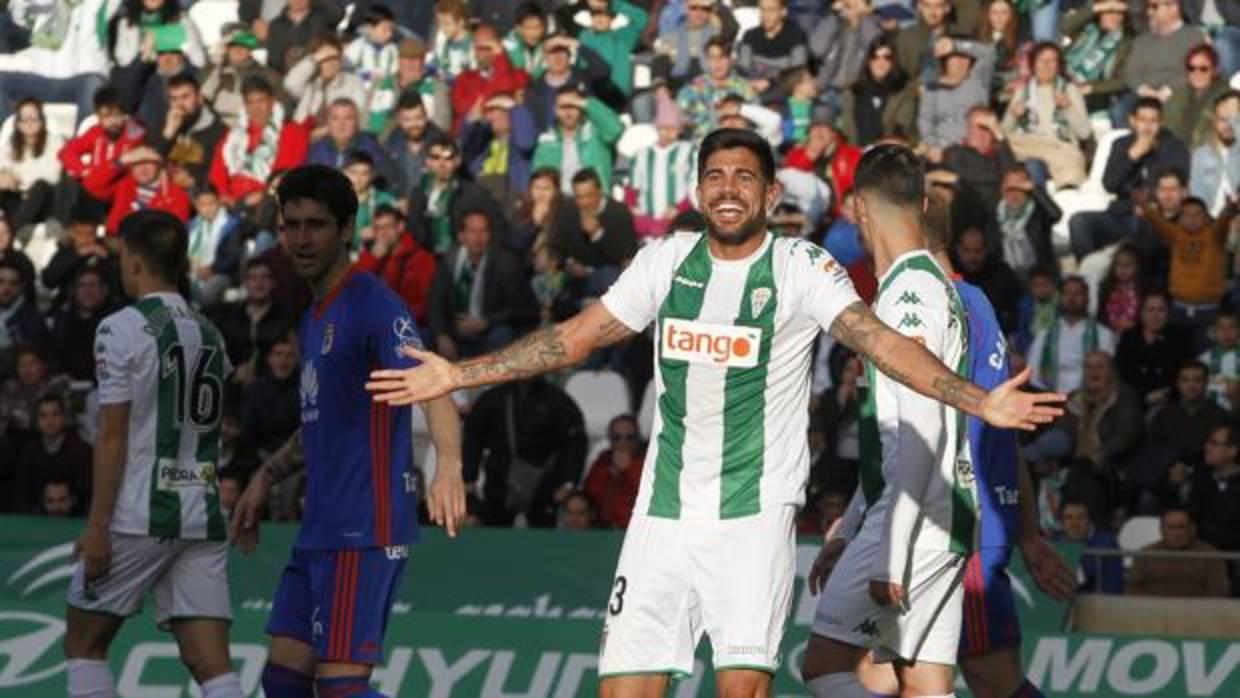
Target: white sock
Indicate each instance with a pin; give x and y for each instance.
(841, 685)
(90, 678)
(223, 686)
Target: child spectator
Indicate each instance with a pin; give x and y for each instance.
(372, 55)
(799, 107)
(1119, 296)
(1223, 358)
(1198, 258)
(360, 169)
(663, 174)
(453, 45)
(524, 44)
(550, 283)
(215, 247)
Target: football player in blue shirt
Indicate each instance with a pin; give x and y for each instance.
(331, 608)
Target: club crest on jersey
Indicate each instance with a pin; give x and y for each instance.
(329, 336)
(309, 385)
(710, 344)
(406, 332)
(758, 300)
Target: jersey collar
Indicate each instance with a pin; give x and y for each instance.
(321, 307)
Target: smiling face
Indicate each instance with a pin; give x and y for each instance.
(735, 195)
(313, 238)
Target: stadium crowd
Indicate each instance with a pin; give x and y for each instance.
(510, 158)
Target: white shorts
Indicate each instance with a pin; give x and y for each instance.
(189, 579)
(678, 578)
(925, 628)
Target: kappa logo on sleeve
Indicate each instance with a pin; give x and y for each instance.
(406, 332)
(710, 344)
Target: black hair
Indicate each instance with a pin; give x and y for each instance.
(107, 96)
(570, 89)
(263, 262)
(184, 80)
(378, 13)
(205, 188)
(9, 264)
(50, 399)
(359, 157)
(896, 79)
(256, 83)
(1147, 103)
(1046, 272)
(731, 138)
(410, 100)
(446, 142)
(720, 42)
(1172, 171)
(1195, 201)
(1074, 279)
(160, 240)
(1229, 94)
(894, 172)
(527, 10)
(324, 184)
(1195, 364)
(1233, 435)
(387, 210)
(587, 174)
(1176, 508)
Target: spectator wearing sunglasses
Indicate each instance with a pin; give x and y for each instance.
(615, 475)
(1189, 112)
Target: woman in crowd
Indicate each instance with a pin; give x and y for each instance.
(535, 211)
(883, 102)
(1047, 119)
(29, 168)
(1189, 111)
(1000, 27)
(1099, 49)
(1119, 297)
(1149, 353)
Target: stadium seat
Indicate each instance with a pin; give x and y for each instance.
(1138, 532)
(61, 118)
(645, 413)
(210, 16)
(1091, 195)
(601, 395)
(87, 124)
(635, 138)
(746, 19)
(642, 76)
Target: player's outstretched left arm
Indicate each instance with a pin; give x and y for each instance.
(445, 500)
(290, 458)
(908, 362)
(542, 351)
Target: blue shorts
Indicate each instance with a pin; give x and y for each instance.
(990, 621)
(338, 601)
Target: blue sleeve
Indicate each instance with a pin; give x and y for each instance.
(390, 325)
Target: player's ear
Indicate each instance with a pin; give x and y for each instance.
(774, 192)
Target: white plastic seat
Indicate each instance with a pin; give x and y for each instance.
(1138, 532)
(746, 18)
(1091, 195)
(210, 16)
(601, 395)
(635, 138)
(61, 118)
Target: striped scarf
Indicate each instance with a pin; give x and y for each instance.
(1092, 56)
(1029, 120)
(257, 163)
(1048, 362)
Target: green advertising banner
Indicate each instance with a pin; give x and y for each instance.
(517, 614)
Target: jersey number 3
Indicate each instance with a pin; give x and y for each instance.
(205, 391)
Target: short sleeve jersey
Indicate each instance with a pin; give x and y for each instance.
(733, 342)
(916, 474)
(168, 362)
(359, 464)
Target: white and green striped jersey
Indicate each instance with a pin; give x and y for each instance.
(916, 473)
(663, 177)
(732, 369)
(168, 363)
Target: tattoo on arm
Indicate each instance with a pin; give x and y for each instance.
(288, 460)
(611, 332)
(538, 352)
(860, 330)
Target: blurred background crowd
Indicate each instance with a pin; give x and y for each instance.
(511, 156)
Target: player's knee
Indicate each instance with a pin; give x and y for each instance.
(203, 664)
(85, 639)
(744, 684)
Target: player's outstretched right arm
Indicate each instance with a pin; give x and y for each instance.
(545, 350)
(249, 507)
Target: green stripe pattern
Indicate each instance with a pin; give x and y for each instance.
(744, 402)
(683, 301)
(165, 506)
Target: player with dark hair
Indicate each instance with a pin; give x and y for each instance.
(737, 311)
(331, 608)
(155, 524)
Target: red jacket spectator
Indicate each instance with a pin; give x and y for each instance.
(613, 490)
(237, 172)
(476, 85)
(146, 185)
(93, 158)
(828, 155)
(408, 270)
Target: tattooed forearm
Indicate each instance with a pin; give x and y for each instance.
(538, 352)
(903, 359)
(289, 459)
(612, 331)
